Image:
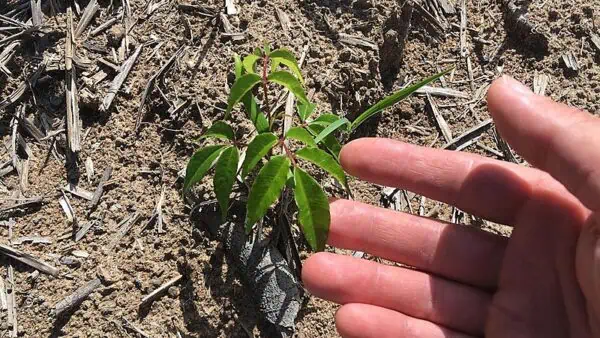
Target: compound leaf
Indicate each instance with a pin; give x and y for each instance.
(199, 164)
(393, 99)
(241, 86)
(220, 130)
(225, 171)
(313, 209)
(330, 142)
(257, 149)
(343, 122)
(266, 189)
(304, 110)
(291, 83)
(249, 62)
(284, 56)
(325, 161)
(302, 135)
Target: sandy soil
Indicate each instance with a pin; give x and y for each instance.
(210, 301)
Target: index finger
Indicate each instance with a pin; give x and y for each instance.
(556, 138)
(491, 189)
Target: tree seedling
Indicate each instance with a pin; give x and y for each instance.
(278, 163)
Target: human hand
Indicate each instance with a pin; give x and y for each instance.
(543, 281)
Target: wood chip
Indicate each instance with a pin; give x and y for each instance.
(105, 25)
(150, 85)
(470, 73)
(31, 239)
(76, 298)
(67, 208)
(439, 119)
(124, 228)
(88, 14)
(463, 28)
(18, 93)
(22, 203)
(73, 123)
(447, 7)
(230, 8)
(284, 20)
(595, 38)
(570, 61)
(28, 260)
(357, 41)
(469, 135)
(540, 82)
(442, 92)
(156, 293)
(11, 303)
(100, 187)
(79, 192)
(37, 17)
(3, 301)
(119, 79)
(89, 169)
(230, 30)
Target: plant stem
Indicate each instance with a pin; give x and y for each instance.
(266, 88)
(289, 154)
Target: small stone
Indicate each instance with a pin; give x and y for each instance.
(105, 277)
(155, 282)
(80, 254)
(114, 35)
(173, 291)
(69, 261)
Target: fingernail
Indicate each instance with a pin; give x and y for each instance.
(516, 85)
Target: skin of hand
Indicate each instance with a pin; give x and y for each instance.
(459, 281)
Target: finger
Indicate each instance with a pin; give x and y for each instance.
(491, 189)
(368, 321)
(452, 251)
(558, 139)
(344, 279)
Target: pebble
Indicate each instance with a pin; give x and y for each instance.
(173, 291)
(69, 261)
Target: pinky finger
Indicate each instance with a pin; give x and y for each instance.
(366, 321)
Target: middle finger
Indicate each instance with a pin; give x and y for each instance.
(456, 252)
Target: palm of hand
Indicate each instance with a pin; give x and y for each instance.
(469, 283)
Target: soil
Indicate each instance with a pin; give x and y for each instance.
(210, 301)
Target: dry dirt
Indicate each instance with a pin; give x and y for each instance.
(210, 301)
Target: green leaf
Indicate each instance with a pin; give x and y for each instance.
(249, 62)
(326, 119)
(290, 82)
(393, 99)
(304, 110)
(199, 164)
(325, 161)
(257, 149)
(302, 135)
(313, 209)
(254, 114)
(220, 130)
(267, 48)
(289, 181)
(239, 67)
(285, 57)
(331, 128)
(240, 87)
(266, 189)
(330, 142)
(225, 171)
